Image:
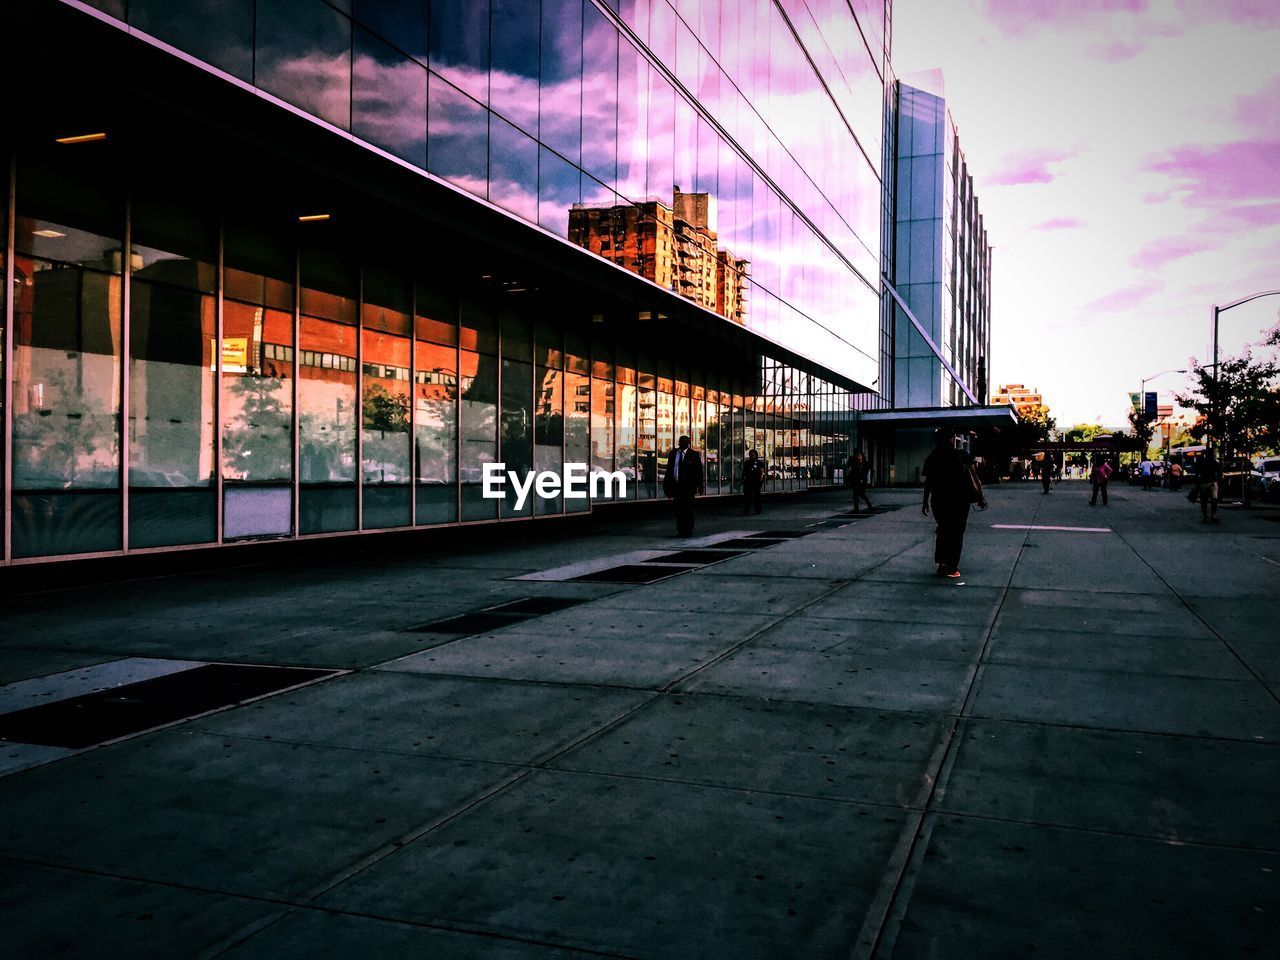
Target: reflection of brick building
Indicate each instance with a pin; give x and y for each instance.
(674, 246)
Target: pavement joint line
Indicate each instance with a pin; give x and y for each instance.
(883, 918)
(1208, 626)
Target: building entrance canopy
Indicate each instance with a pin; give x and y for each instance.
(958, 418)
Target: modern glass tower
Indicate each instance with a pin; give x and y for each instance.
(298, 268)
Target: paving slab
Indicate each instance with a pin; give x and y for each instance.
(741, 594)
(886, 638)
(845, 678)
(641, 662)
(1179, 789)
(1158, 655)
(52, 912)
(1235, 709)
(430, 715)
(935, 601)
(236, 816)
(642, 868)
(793, 748)
(323, 935)
(995, 889)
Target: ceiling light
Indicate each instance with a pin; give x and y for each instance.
(313, 217)
(81, 138)
(48, 234)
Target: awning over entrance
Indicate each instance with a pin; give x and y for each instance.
(960, 418)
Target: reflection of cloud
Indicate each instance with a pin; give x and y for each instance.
(1166, 250)
(389, 105)
(1059, 223)
(314, 82)
(1030, 167)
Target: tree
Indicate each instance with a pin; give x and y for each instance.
(385, 411)
(1034, 426)
(1143, 426)
(1240, 407)
(1083, 432)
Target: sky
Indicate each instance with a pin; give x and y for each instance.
(1126, 157)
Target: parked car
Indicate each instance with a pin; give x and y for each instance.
(1264, 478)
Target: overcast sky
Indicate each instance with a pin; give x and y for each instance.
(1126, 156)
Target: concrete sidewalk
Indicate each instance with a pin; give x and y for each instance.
(815, 749)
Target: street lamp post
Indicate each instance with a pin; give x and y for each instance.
(1219, 309)
(1142, 393)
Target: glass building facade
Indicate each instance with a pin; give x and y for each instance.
(214, 334)
(942, 259)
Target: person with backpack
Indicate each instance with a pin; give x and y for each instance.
(950, 486)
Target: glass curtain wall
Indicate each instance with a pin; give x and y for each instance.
(362, 397)
(551, 112)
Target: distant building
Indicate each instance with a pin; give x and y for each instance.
(673, 246)
(1022, 398)
(942, 262)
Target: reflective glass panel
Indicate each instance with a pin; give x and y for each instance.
(458, 33)
(221, 36)
(389, 99)
(436, 432)
(66, 361)
(457, 138)
(303, 56)
(516, 450)
(478, 416)
(548, 430)
(577, 428)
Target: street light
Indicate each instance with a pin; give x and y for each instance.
(1217, 311)
(1142, 397)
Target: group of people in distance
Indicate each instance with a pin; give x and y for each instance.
(951, 489)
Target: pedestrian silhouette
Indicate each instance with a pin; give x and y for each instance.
(1208, 477)
(856, 472)
(1098, 478)
(683, 482)
(753, 470)
(950, 486)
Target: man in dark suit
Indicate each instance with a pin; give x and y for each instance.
(683, 482)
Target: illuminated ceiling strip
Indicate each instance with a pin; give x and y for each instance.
(928, 339)
(82, 138)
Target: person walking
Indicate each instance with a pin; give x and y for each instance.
(1208, 478)
(950, 486)
(683, 482)
(1175, 476)
(1046, 473)
(1146, 475)
(1098, 478)
(752, 480)
(857, 470)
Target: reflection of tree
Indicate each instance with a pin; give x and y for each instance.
(385, 411)
(257, 444)
(62, 434)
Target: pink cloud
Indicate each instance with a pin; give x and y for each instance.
(1166, 250)
(1224, 173)
(1030, 167)
(1059, 223)
(1253, 13)
(1118, 52)
(1125, 299)
(1261, 110)
(1019, 16)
